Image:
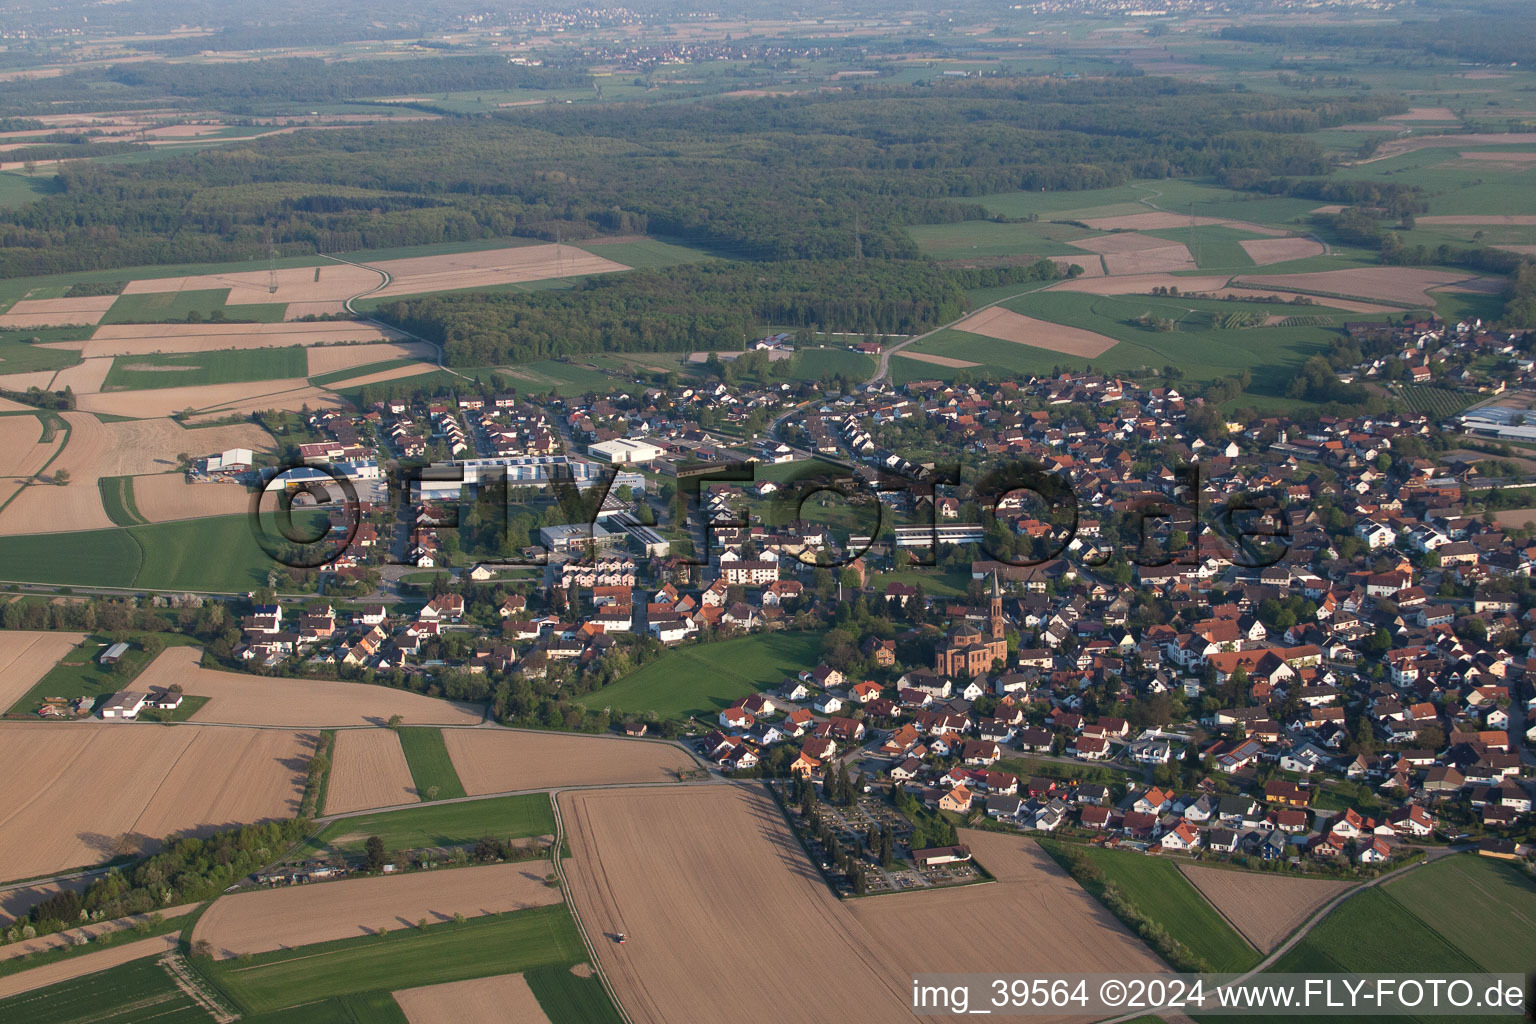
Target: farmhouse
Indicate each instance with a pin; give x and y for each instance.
(123, 705)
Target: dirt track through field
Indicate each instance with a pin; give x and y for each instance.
(89, 791)
(368, 769)
(496, 761)
(256, 922)
(496, 1000)
(26, 656)
(1006, 325)
(1264, 907)
(665, 866)
(244, 699)
(86, 963)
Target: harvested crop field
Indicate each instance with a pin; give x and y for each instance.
(330, 358)
(1161, 221)
(398, 373)
(368, 769)
(925, 357)
(168, 497)
(1279, 250)
(332, 282)
(84, 378)
(86, 963)
(1139, 285)
(240, 699)
(1164, 259)
(659, 864)
(147, 339)
(26, 656)
(505, 997)
(256, 922)
(502, 760)
(151, 446)
(1407, 285)
(243, 398)
(1265, 908)
(1006, 325)
(22, 452)
(489, 267)
(162, 780)
(56, 312)
(23, 381)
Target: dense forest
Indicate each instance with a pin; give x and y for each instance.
(696, 307)
(817, 177)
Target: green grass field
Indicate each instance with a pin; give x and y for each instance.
(815, 363)
(981, 239)
(505, 817)
(134, 993)
(567, 999)
(702, 679)
(431, 767)
(569, 378)
(1485, 908)
(19, 355)
(117, 500)
(196, 369)
(217, 553)
(174, 307)
(21, 189)
(482, 946)
(1162, 893)
(1214, 246)
(645, 253)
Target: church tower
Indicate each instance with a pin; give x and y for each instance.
(997, 610)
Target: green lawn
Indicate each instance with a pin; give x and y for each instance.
(1162, 894)
(134, 993)
(431, 767)
(174, 307)
(196, 369)
(505, 817)
(704, 678)
(1485, 908)
(482, 946)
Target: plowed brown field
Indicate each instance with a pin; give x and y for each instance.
(22, 452)
(245, 397)
(56, 312)
(661, 864)
(490, 267)
(88, 791)
(330, 358)
(256, 922)
(168, 497)
(1264, 907)
(255, 700)
(1278, 250)
(1006, 325)
(1409, 285)
(368, 769)
(497, 1000)
(499, 760)
(143, 339)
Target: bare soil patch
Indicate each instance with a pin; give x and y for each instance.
(253, 700)
(56, 312)
(499, 760)
(506, 997)
(26, 656)
(1264, 907)
(925, 357)
(660, 864)
(89, 791)
(331, 358)
(1516, 516)
(1279, 250)
(87, 963)
(257, 922)
(144, 339)
(368, 769)
(1006, 325)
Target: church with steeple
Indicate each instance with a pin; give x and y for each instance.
(967, 651)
